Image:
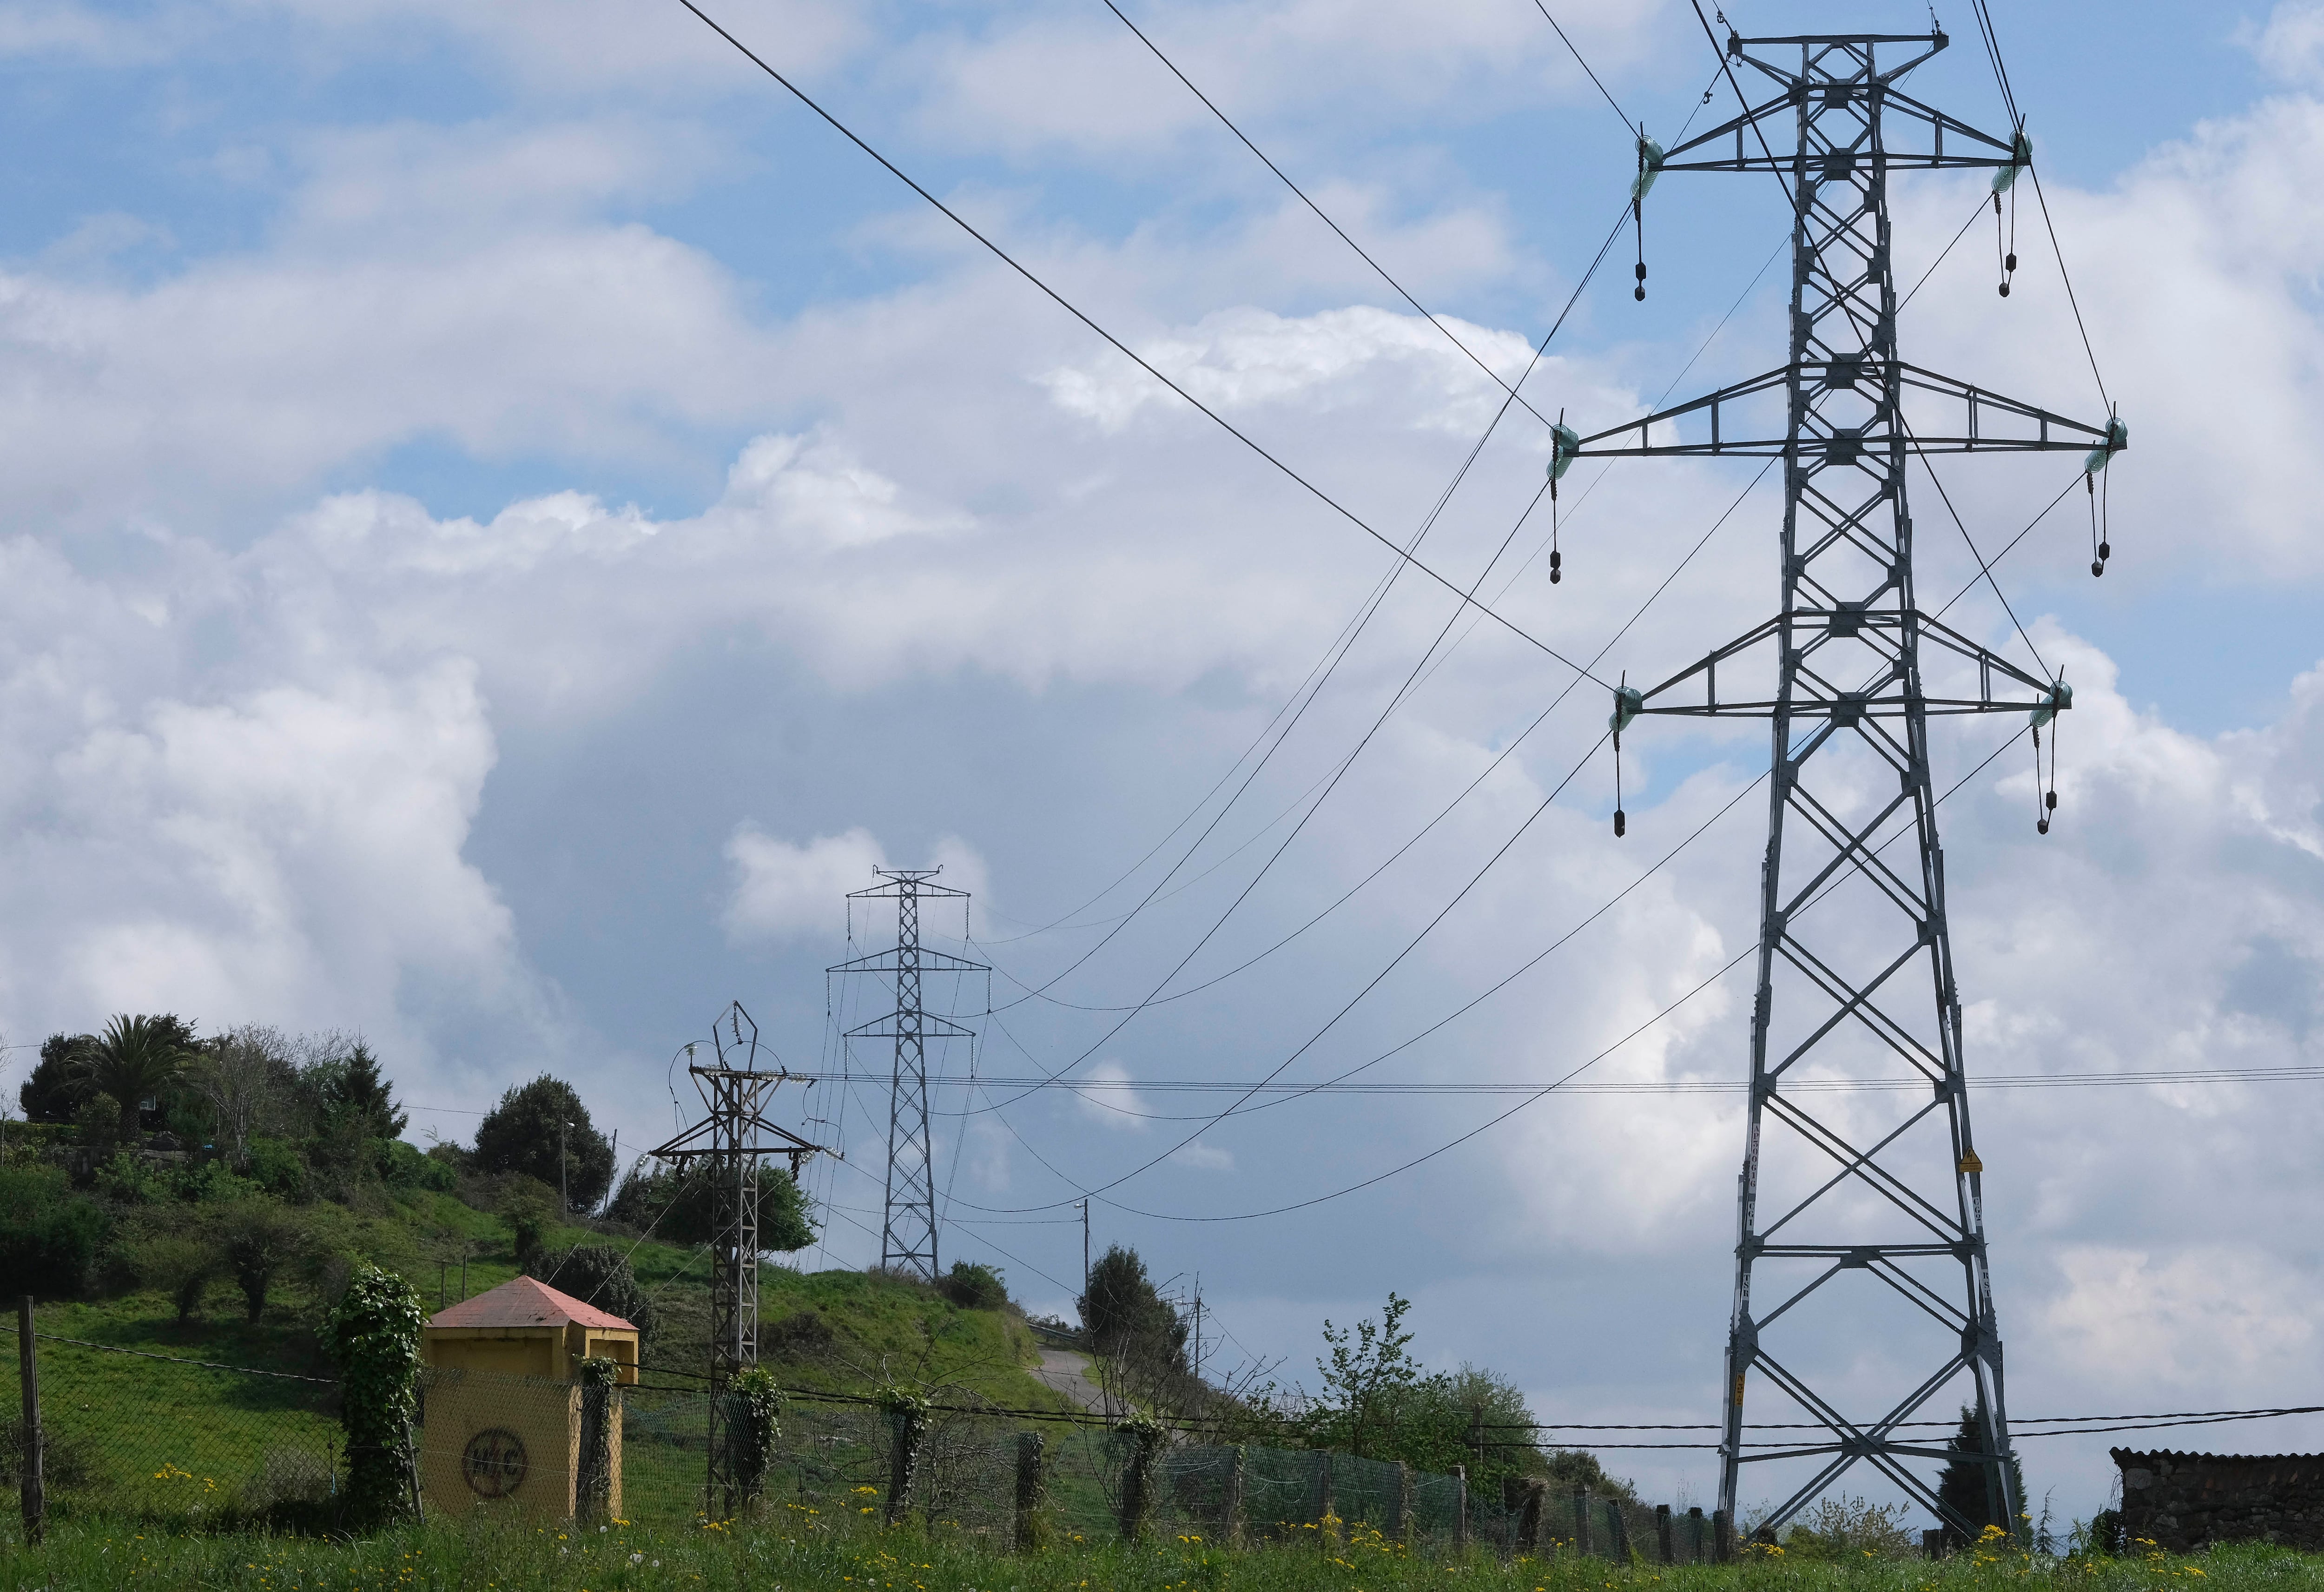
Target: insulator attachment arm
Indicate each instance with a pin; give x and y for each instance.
(1976, 679)
(1983, 422)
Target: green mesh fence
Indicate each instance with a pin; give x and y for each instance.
(141, 1437)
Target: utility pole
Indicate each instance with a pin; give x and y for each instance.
(1085, 1255)
(1198, 1326)
(1878, 1230)
(726, 1147)
(564, 1188)
(907, 1234)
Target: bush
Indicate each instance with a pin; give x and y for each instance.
(405, 1166)
(50, 1237)
(374, 1336)
(598, 1275)
(258, 1236)
(276, 1167)
(676, 1207)
(974, 1287)
(168, 1249)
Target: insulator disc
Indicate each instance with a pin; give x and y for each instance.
(1554, 575)
(2050, 800)
(2042, 827)
(2105, 550)
(1639, 293)
(1642, 271)
(2005, 289)
(2098, 566)
(1556, 559)
(1621, 824)
(2009, 262)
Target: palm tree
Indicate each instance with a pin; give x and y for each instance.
(134, 1059)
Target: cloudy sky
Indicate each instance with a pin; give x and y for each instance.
(511, 518)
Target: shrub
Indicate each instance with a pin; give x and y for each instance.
(374, 1336)
(406, 1167)
(974, 1287)
(258, 1236)
(50, 1237)
(168, 1250)
(275, 1166)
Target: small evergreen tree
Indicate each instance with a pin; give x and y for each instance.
(1961, 1484)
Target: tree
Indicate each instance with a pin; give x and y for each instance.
(168, 1249)
(1368, 1378)
(1123, 1314)
(134, 1061)
(259, 1235)
(598, 1275)
(248, 1079)
(678, 1206)
(52, 1090)
(1961, 1484)
(358, 1094)
(521, 1135)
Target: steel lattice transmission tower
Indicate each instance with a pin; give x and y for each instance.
(727, 1147)
(1860, 1229)
(908, 1237)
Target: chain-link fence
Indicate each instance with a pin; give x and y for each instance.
(131, 1434)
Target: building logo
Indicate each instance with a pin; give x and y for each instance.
(492, 1464)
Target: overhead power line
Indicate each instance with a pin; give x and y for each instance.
(998, 253)
(1672, 1086)
(1378, 269)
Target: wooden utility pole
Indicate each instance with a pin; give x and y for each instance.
(36, 1504)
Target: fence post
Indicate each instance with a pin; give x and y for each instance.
(1530, 1513)
(1695, 1534)
(1617, 1529)
(1404, 1503)
(1664, 1550)
(1460, 1509)
(908, 1424)
(1581, 1534)
(1933, 1543)
(1722, 1536)
(1145, 1436)
(593, 1494)
(1323, 1521)
(1230, 1507)
(1030, 1453)
(36, 1504)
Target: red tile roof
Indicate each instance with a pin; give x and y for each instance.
(527, 1303)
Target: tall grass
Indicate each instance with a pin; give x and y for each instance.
(798, 1549)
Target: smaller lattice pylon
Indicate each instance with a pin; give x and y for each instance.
(727, 1147)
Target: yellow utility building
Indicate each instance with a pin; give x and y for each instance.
(505, 1415)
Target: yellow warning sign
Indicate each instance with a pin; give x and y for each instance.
(1971, 1163)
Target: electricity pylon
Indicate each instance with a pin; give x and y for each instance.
(1878, 1240)
(908, 1237)
(726, 1147)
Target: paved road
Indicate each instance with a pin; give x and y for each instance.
(1064, 1371)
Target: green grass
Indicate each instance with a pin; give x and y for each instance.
(798, 1551)
(136, 1436)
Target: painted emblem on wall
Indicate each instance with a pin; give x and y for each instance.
(493, 1462)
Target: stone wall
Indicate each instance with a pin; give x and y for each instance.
(2185, 1501)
